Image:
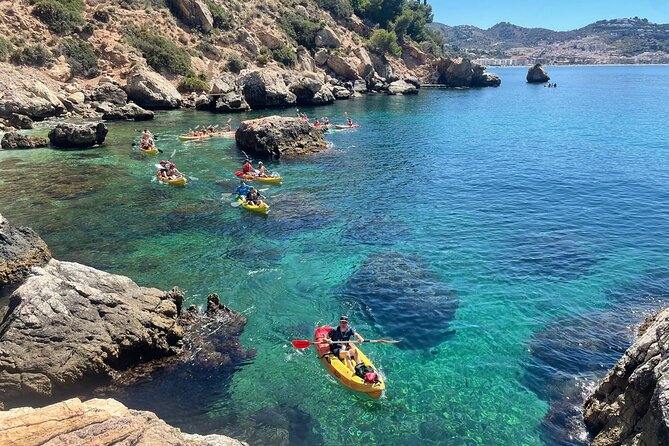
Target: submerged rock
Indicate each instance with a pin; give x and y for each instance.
(75, 136)
(13, 140)
(630, 406)
(537, 74)
(20, 250)
(276, 136)
(103, 422)
(405, 297)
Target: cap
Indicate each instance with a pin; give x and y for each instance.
(343, 319)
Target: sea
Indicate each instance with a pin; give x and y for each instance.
(512, 239)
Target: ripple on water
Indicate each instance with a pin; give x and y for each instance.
(408, 299)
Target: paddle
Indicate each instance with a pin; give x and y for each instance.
(303, 343)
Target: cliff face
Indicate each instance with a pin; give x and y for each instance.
(630, 406)
(99, 421)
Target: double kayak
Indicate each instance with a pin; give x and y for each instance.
(346, 126)
(343, 372)
(262, 209)
(222, 134)
(149, 151)
(245, 176)
(180, 181)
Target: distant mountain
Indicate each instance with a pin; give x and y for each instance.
(619, 40)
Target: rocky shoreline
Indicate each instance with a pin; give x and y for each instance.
(71, 330)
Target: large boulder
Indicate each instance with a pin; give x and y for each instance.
(225, 83)
(20, 121)
(34, 100)
(276, 136)
(327, 38)
(309, 90)
(100, 422)
(20, 250)
(340, 92)
(265, 88)
(401, 87)
(630, 406)
(537, 74)
(78, 136)
(13, 140)
(128, 112)
(460, 72)
(231, 102)
(69, 325)
(108, 92)
(194, 13)
(151, 90)
(342, 67)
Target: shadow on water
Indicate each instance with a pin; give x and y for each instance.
(570, 354)
(401, 293)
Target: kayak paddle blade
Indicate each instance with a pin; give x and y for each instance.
(301, 343)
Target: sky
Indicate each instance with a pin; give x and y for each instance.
(560, 15)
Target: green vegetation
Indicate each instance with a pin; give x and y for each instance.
(340, 9)
(61, 16)
(161, 53)
(81, 57)
(36, 55)
(382, 42)
(236, 64)
(285, 56)
(262, 59)
(197, 83)
(5, 49)
(222, 20)
(302, 29)
(209, 50)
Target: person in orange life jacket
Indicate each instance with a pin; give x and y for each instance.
(344, 332)
(248, 169)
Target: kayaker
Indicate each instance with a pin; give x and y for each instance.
(344, 332)
(262, 170)
(253, 197)
(173, 172)
(317, 123)
(349, 122)
(326, 121)
(248, 169)
(162, 170)
(242, 189)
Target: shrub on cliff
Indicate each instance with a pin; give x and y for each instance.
(81, 57)
(61, 16)
(340, 9)
(161, 53)
(36, 55)
(222, 20)
(382, 42)
(192, 83)
(236, 64)
(285, 56)
(302, 29)
(5, 49)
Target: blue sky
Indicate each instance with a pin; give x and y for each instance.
(559, 15)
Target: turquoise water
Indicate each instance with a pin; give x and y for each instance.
(512, 238)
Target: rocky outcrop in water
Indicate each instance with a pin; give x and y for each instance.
(460, 72)
(310, 91)
(276, 136)
(128, 112)
(265, 88)
(69, 325)
(13, 140)
(100, 422)
(401, 87)
(20, 250)
(151, 90)
(537, 74)
(630, 406)
(78, 136)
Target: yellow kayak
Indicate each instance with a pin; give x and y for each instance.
(181, 181)
(343, 372)
(262, 209)
(222, 134)
(271, 180)
(151, 151)
(193, 138)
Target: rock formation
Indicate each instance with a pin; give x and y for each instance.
(151, 90)
(129, 112)
(20, 121)
(310, 91)
(459, 72)
(20, 249)
(74, 136)
(630, 406)
(107, 92)
(100, 422)
(276, 136)
(402, 87)
(265, 88)
(13, 140)
(537, 74)
(34, 100)
(194, 13)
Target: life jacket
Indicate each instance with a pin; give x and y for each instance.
(367, 373)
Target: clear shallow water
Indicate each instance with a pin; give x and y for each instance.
(511, 237)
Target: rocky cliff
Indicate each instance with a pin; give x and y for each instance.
(630, 406)
(100, 422)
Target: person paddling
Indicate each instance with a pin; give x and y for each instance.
(242, 189)
(344, 332)
(262, 170)
(253, 197)
(248, 169)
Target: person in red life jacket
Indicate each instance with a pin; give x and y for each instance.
(248, 169)
(344, 332)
